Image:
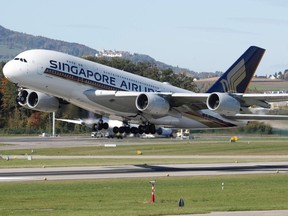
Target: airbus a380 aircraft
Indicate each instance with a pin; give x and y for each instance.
(47, 78)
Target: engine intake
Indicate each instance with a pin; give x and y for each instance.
(152, 104)
(21, 98)
(223, 104)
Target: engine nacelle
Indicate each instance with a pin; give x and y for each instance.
(42, 102)
(223, 104)
(152, 104)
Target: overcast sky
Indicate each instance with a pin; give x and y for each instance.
(202, 35)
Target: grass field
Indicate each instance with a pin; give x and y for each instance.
(272, 146)
(245, 146)
(132, 196)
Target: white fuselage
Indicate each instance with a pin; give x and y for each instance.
(68, 77)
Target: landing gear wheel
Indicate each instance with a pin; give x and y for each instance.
(141, 129)
(152, 129)
(115, 130)
(121, 130)
(134, 130)
(105, 126)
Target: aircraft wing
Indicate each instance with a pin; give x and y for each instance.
(248, 117)
(72, 121)
(227, 104)
(246, 100)
(262, 100)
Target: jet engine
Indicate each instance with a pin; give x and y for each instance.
(152, 104)
(223, 104)
(37, 101)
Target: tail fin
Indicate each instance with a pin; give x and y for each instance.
(237, 78)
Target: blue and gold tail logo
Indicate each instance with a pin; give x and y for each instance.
(237, 78)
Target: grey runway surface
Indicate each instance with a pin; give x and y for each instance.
(140, 171)
(36, 142)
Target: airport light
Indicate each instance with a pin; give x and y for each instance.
(153, 190)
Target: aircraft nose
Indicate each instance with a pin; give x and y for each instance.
(8, 70)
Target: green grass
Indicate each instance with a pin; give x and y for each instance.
(195, 147)
(132, 196)
(250, 148)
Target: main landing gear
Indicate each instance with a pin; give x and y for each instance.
(100, 125)
(147, 128)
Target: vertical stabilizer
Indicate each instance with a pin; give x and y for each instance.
(237, 78)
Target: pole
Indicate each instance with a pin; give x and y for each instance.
(53, 125)
(153, 191)
(153, 194)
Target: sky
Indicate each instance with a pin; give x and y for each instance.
(201, 35)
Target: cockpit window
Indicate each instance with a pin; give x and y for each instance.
(21, 59)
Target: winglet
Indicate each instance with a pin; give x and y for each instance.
(237, 78)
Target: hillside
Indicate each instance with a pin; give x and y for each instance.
(12, 43)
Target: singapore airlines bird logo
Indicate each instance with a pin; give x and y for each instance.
(234, 78)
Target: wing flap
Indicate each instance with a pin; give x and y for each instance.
(254, 117)
(261, 100)
(267, 97)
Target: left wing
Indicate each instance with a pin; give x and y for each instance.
(160, 103)
(245, 100)
(79, 121)
(256, 117)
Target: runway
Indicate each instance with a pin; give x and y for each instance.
(140, 171)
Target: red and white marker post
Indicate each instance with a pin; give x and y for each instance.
(153, 191)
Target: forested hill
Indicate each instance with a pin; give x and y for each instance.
(12, 43)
